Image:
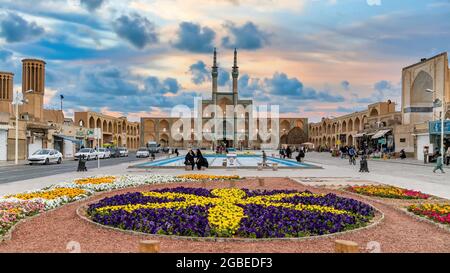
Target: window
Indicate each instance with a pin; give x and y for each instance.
(402, 140)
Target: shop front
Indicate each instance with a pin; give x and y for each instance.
(435, 132)
(66, 145)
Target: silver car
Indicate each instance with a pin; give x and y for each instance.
(45, 156)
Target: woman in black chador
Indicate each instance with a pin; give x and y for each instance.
(201, 161)
(189, 159)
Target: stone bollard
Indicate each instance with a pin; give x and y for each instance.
(187, 167)
(261, 182)
(275, 166)
(260, 166)
(224, 163)
(342, 246)
(149, 246)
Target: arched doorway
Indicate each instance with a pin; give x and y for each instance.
(419, 96)
(350, 140)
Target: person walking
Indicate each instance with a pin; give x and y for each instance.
(425, 155)
(447, 156)
(176, 152)
(300, 156)
(352, 156)
(264, 158)
(364, 166)
(439, 163)
(402, 154)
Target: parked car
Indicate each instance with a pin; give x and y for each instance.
(115, 152)
(45, 156)
(153, 147)
(88, 153)
(123, 151)
(165, 149)
(103, 153)
(142, 152)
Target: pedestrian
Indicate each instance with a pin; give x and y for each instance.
(288, 152)
(439, 164)
(447, 156)
(300, 156)
(201, 160)
(189, 159)
(425, 154)
(264, 158)
(402, 154)
(176, 152)
(364, 166)
(352, 156)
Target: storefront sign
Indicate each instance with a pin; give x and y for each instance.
(382, 141)
(435, 127)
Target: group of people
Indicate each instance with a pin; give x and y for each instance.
(288, 153)
(195, 159)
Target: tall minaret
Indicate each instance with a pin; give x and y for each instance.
(235, 75)
(214, 74)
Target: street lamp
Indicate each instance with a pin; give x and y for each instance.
(18, 101)
(441, 117)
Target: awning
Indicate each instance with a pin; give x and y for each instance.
(69, 139)
(360, 135)
(380, 133)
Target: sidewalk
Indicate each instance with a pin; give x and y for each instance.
(409, 161)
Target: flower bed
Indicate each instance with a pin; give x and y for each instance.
(107, 183)
(12, 212)
(52, 197)
(388, 192)
(208, 177)
(243, 213)
(437, 212)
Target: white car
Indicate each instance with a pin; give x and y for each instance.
(123, 151)
(142, 152)
(103, 153)
(87, 153)
(45, 156)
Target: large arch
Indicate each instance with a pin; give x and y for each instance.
(98, 124)
(285, 126)
(164, 140)
(110, 129)
(91, 122)
(374, 112)
(296, 136)
(350, 125)
(105, 126)
(344, 126)
(350, 140)
(419, 96)
(357, 124)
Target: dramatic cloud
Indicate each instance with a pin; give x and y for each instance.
(16, 29)
(199, 72)
(194, 38)
(92, 5)
(247, 36)
(280, 84)
(137, 30)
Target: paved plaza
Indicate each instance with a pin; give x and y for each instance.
(409, 174)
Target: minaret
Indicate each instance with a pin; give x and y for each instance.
(214, 74)
(235, 75)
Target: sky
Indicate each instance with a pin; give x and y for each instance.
(314, 58)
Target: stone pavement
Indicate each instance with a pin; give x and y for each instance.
(334, 169)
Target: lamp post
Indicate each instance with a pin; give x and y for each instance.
(18, 101)
(441, 117)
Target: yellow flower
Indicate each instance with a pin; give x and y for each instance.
(96, 180)
(50, 194)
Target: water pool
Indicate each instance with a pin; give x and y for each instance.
(216, 161)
